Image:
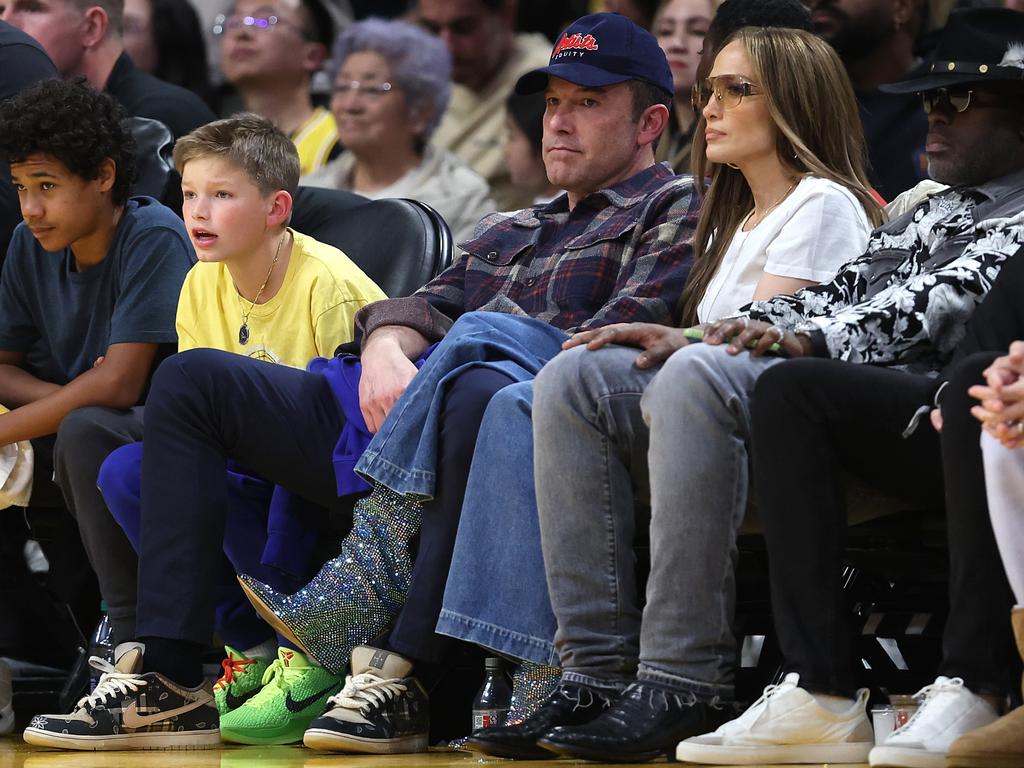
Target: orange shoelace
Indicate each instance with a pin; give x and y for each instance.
(231, 667)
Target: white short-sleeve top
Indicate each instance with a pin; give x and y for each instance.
(818, 227)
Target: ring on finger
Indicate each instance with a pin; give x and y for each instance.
(780, 334)
(1020, 428)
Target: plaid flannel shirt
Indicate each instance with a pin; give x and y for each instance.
(621, 255)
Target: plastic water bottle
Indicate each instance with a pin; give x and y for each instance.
(101, 644)
(490, 707)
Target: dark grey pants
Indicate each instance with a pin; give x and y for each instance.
(84, 440)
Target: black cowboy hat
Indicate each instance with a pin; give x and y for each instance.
(982, 45)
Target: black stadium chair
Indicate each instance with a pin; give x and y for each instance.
(400, 244)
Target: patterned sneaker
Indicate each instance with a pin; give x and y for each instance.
(130, 710)
(294, 692)
(242, 679)
(380, 711)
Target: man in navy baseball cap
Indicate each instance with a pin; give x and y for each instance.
(603, 49)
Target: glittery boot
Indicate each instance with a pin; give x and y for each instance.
(532, 683)
(356, 595)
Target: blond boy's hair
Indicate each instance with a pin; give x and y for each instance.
(252, 143)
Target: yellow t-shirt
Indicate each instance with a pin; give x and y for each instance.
(315, 140)
(309, 317)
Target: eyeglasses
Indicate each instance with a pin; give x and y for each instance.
(373, 90)
(959, 100)
(728, 89)
(223, 24)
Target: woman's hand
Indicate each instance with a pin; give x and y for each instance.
(1001, 407)
(756, 337)
(657, 341)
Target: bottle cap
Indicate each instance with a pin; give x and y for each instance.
(492, 663)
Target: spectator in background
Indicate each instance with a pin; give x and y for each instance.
(524, 151)
(680, 27)
(85, 38)
(390, 89)
(270, 50)
(640, 12)
(875, 39)
(22, 62)
(164, 38)
(487, 59)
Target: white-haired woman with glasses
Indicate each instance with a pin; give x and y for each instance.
(391, 87)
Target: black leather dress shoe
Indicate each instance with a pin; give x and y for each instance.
(570, 704)
(646, 722)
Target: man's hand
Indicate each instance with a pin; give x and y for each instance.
(1001, 410)
(755, 337)
(387, 371)
(657, 341)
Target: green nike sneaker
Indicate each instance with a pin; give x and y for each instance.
(242, 679)
(294, 693)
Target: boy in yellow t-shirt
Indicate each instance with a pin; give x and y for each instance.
(260, 289)
(263, 290)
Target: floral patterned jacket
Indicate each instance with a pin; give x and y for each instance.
(905, 303)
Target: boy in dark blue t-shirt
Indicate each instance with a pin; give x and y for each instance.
(88, 295)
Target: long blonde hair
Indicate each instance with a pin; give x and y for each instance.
(818, 133)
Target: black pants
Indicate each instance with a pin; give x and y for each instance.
(205, 407)
(464, 405)
(814, 419)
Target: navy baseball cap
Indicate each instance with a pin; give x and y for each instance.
(603, 49)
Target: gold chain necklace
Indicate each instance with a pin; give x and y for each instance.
(769, 209)
(243, 331)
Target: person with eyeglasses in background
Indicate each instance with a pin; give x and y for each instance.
(391, 87)
(270, 50)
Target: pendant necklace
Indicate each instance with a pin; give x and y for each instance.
(243, 331)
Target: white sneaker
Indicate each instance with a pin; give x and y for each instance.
(6, 700)
(785, 725)
(948, 710)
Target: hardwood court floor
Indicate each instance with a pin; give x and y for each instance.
(14, 753)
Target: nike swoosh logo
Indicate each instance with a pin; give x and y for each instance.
(234, 702)
(301, 704)
(132, 718)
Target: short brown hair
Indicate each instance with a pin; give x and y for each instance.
(251, 142)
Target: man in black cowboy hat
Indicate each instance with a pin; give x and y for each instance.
(817, 418)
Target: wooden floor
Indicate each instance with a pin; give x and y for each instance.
(14, 753)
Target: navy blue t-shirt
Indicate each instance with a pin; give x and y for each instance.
(68, 318)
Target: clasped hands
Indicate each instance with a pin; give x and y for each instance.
(1001, 406)
(658, 342)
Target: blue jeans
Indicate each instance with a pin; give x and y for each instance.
(605, 432)
(403, 453)
(497, 591)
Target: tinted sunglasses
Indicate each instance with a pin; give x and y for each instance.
(959, 99)
(728, 89)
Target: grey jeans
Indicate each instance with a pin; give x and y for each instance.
(607, 434)
(84, 440)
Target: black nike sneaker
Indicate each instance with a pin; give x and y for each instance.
(381, 710)
(130, 710)
(294, 692)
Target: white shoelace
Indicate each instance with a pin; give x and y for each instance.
(929, 697)
(754, 710)
(112, 682)
(367, 688)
